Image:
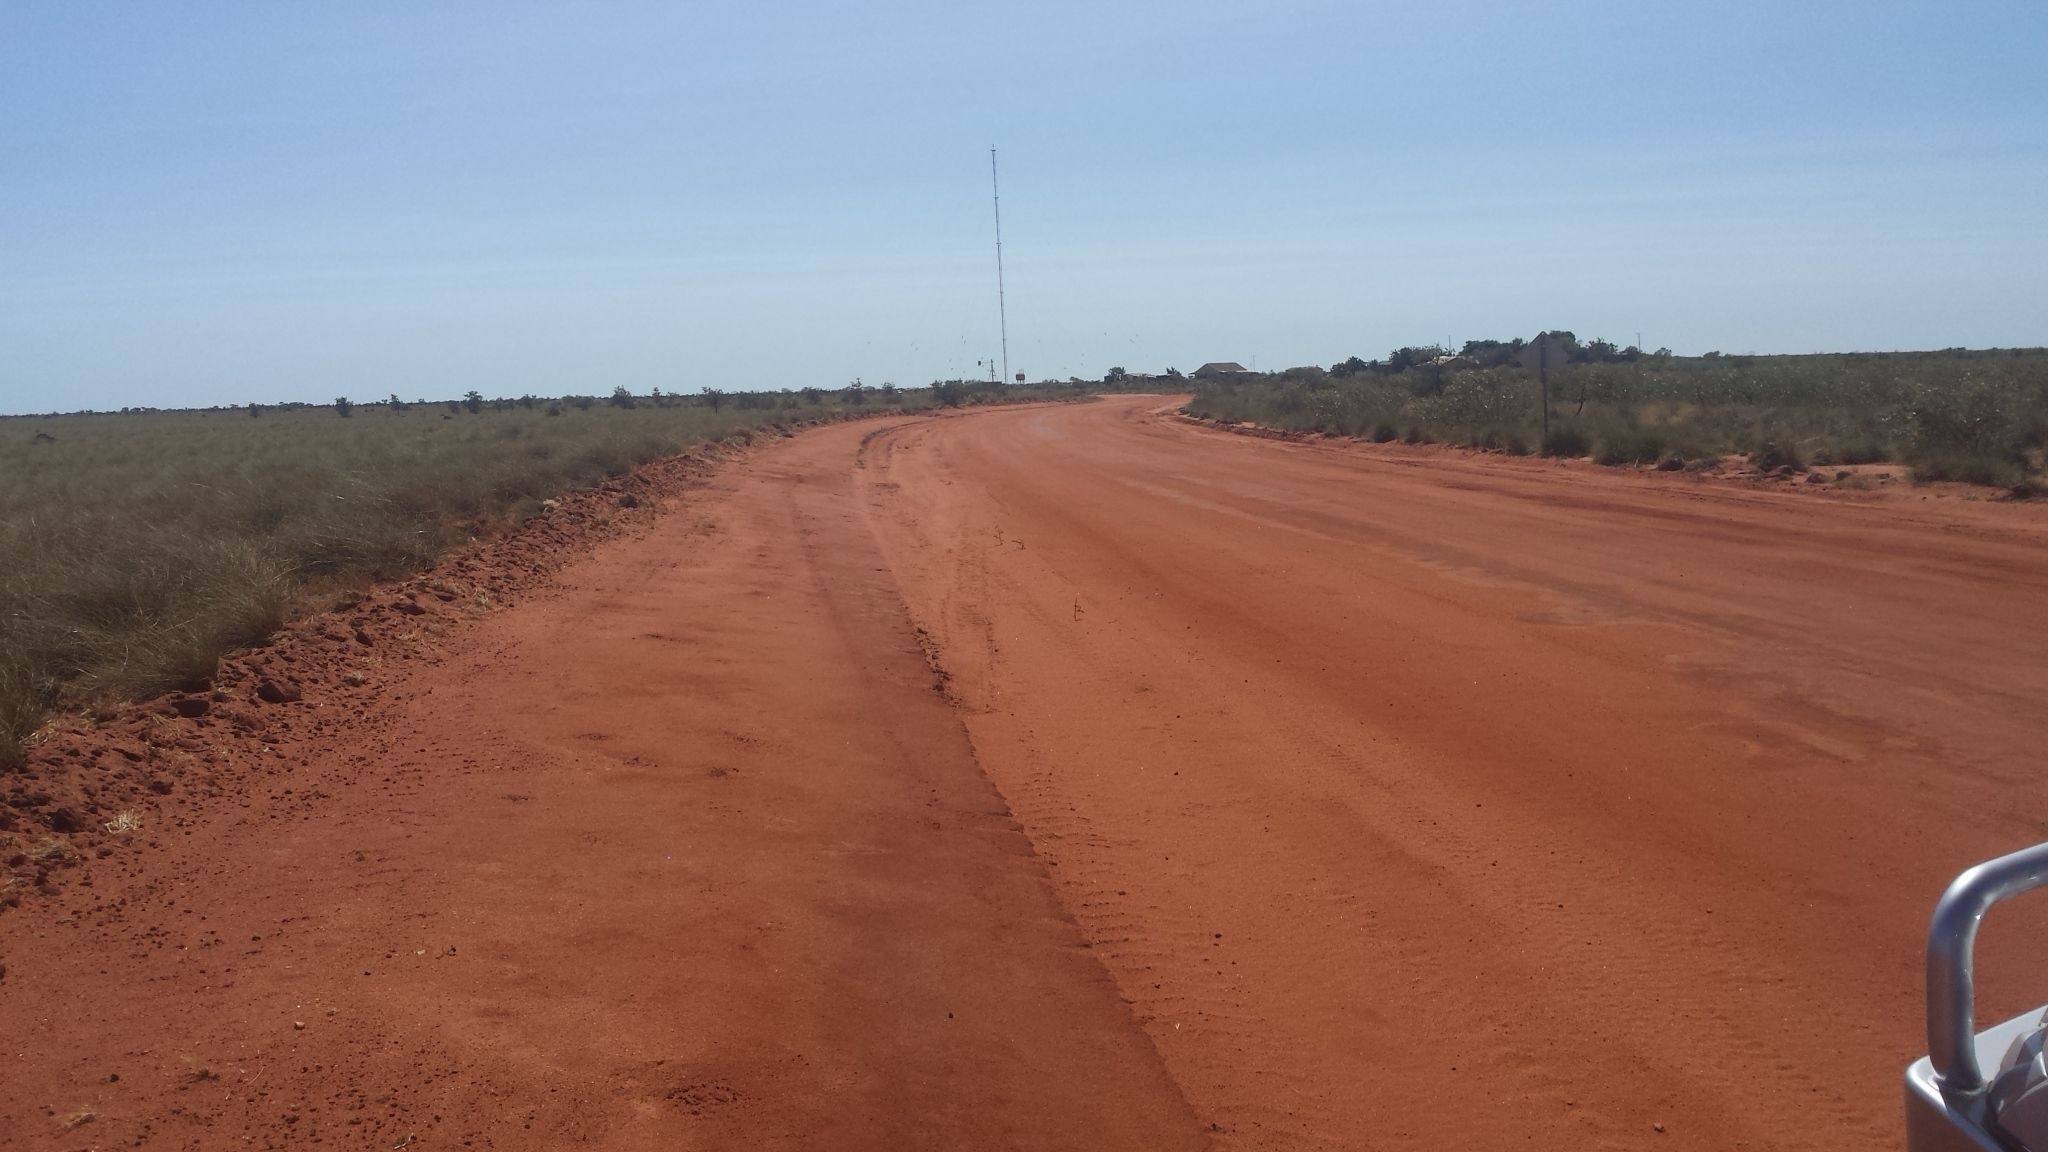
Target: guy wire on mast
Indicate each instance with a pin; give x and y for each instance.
(1002, 311)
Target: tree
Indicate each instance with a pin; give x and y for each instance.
(343, 408)
(1114, 376)
(856, 393)
(1173, 374)
(714, 398)
(582, 403)
(948, 393)
(655, 395)
(473, 400)
(1491, 353)
(1402, 359)
(528, 401)
(623, 398)
(812, 395)
(255, 410)
(888, 391)
(395, 404)
(1352, 366)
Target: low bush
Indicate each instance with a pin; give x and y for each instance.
(1968, 468)
(1566, 441)
(1773, 456)
(1630, 445)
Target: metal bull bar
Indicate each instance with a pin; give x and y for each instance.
(1988, 1091)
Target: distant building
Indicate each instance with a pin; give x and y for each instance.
(1219, 368)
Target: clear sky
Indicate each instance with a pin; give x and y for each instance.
(215, 202)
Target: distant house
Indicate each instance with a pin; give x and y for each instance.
(1221, 368)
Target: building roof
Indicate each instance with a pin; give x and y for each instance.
(1219, 367)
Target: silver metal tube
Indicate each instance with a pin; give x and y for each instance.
(1951, 973)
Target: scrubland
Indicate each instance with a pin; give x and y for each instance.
(1979, 417)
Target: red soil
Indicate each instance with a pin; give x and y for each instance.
(1274, 795)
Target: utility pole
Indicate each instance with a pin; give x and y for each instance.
(1002, 310)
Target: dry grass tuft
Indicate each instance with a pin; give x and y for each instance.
(51, 850)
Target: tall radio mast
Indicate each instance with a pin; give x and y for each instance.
(1002, 311)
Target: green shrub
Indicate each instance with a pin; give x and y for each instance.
(1566, 441)
(1630, 446)
(1773, 456)
(1965, 468)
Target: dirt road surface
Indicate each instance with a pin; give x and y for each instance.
(1081, 777)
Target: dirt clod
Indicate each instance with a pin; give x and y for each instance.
(278, 691)
(191, 706)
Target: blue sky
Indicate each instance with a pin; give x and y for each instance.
(221, 202)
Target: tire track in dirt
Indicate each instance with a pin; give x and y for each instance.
(683, 852)
(1429, 801)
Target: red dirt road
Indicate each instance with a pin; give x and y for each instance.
(1276, 795)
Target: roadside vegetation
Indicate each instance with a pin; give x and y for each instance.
(1980, 417)
(141, 546)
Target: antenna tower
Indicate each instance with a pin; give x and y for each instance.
(1002, 310)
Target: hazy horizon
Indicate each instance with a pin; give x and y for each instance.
(249, 204)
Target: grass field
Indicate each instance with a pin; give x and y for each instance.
(1974, 416)
(141, 546)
